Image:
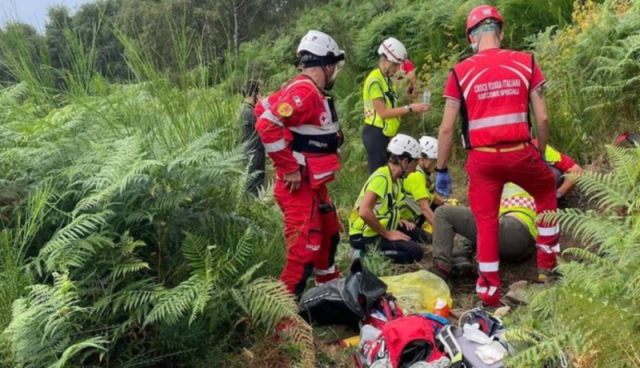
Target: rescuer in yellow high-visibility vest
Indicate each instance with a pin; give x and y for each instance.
(375, 220)
(381, 112)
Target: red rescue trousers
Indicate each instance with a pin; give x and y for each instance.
(312, 233)
(488, 173)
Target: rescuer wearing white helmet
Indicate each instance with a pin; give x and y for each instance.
(375, 215)
(420, 198)
(299, 128)
(381, 111)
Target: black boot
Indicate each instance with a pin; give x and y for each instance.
(441, 272)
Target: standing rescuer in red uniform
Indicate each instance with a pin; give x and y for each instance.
(300, 131)
(492, 91)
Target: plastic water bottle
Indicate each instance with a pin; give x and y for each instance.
(426, 96)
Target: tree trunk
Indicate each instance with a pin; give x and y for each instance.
(236, 30)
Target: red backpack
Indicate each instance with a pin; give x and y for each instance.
(385, 309)
(405, 341)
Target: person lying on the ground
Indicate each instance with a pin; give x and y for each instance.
(375, 217)
(561, 165)
(517, 236)
(420, 198)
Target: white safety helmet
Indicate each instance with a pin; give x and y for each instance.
(393, 50)
(319, 44)
(429, 147)
(403, 144)
(321, 50)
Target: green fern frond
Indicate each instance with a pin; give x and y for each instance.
(96, 344)
(269, 302)
(61, 244)
(242, 280)
(129, 266)
(196, 251)
(175, 303)
(228, 266)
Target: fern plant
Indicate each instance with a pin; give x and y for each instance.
(592, 314)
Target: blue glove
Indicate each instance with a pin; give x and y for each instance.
(443, 182)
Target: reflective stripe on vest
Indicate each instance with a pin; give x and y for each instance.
(317, 138)
(409, 203)
(497, 121)
(307, 129)
(268, 115)
(516, 200)
(320, 138)
(300, 158)
(389, 126)
(385, 209)
(495, 98)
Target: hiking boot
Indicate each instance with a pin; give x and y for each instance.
(515, 296)
(546, 276)
(441, 272)
(462, 265)
(462, 261)
(498, 311)
(490, 309)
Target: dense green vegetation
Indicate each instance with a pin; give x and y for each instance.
(126, 238)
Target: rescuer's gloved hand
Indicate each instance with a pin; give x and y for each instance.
(443, 182)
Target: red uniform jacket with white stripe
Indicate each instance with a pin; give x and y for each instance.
(300, 128)
(266, 103)
(493, 87)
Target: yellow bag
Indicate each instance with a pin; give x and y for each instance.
(417, 292)
(452, 202)
(427, 227)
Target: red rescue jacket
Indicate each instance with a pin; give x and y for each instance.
(495, 91)
(300, 128)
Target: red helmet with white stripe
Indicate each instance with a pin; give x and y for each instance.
(480, 14)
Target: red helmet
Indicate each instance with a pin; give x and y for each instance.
(480, 14)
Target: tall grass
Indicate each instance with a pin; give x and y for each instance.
(123, 207)
(150, 232)
(591, 314)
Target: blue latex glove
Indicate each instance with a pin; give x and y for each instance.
(443, 183)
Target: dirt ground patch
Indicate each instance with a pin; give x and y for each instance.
(330, 354)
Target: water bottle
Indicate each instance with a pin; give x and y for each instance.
(426, 96)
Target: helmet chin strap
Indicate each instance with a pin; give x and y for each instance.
(404, 170)
(476, 45)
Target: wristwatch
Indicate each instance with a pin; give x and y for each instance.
(409, 108)
(558, 194)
